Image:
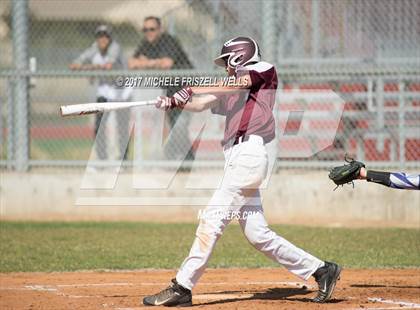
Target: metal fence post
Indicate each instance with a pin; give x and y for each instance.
(269, 40)
(401, 127)
(20, 51)
(287, 30)
(1, 126)
(380, 117)
(10, 124)
(315, 28)
(218, 40)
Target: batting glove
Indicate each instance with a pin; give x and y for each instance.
(183, 96)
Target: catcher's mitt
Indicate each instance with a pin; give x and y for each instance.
(347, 173)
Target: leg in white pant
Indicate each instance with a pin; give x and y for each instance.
(208, 232)
(256, 230)
(246, 168)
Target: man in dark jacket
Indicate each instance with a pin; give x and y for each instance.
(161, 51)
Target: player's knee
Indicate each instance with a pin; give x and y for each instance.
(211, 231)
(259, 238)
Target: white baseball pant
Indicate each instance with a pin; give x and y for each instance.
(239, 196)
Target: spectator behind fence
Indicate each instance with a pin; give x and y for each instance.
(106, 54)
(161, 51)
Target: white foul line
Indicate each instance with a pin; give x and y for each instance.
(402, 304)
(46, 287)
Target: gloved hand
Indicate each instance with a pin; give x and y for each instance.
(179, 99)
(183, 96)
(347, 173)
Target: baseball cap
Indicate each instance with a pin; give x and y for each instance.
(103, 30)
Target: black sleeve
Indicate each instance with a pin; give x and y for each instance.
(174, 50)
(379, 177)
(140, 50)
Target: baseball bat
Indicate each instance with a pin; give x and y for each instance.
(100, 107)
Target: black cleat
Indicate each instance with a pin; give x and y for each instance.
(173, 296)
(326, 277)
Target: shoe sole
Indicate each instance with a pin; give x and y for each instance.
(332, 287)
(186, 304)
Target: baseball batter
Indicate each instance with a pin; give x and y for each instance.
(249, 126)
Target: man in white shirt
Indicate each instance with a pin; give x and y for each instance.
(105, 54)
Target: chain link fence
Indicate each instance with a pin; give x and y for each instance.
(366, 51)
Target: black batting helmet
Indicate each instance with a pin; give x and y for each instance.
(238, 51)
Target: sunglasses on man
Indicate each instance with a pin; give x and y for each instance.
(149, 29)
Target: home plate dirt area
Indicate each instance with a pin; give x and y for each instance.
(218, 289)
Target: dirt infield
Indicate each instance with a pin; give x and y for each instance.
(218, 289)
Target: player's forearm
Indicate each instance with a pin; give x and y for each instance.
(201, 103)
(399, 180)
(222, 90)
(207, 96)
(379, 177)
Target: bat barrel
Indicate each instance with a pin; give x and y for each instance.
(98, 107)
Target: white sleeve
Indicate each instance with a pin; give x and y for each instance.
(402, 180)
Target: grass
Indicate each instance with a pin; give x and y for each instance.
(53, 246)
(61, 149)
(65, 149)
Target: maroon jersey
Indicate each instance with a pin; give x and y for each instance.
(251, 113)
